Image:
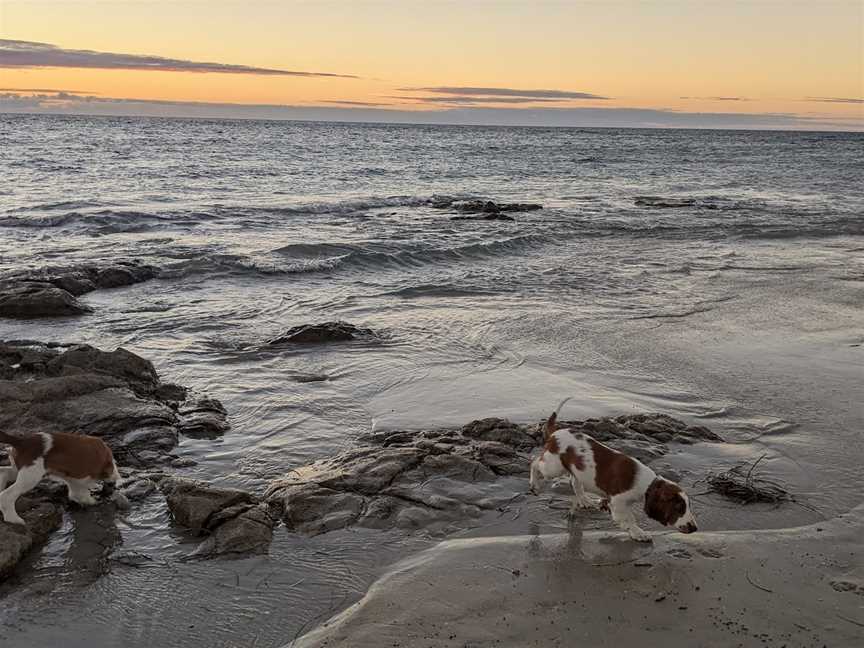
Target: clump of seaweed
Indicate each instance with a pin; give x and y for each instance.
(742, 484)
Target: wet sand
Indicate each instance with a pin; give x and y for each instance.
(791, 587)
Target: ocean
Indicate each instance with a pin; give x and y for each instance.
(717, 276)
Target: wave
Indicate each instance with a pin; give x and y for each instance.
(438, 290)
(110, 220)
(304, 258)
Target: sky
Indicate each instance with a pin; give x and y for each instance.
(785, 64)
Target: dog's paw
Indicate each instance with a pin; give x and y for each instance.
(84, 500)
(639, 535)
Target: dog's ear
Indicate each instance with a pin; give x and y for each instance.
(660, 502)
(551, 426)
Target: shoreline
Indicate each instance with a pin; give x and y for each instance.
(707, 589)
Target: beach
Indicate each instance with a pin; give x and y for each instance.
(714, 277)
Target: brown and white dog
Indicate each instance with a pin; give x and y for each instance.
(621, 481)
(78, 460)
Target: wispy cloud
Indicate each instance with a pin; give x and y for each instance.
(470, 100)
(26, 54)
(546, 116)
(836, 100)
(717, 98)
(470, 91)
(343, 102)
(51, 90)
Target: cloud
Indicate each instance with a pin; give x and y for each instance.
(355, 103)
(717, 98)
(468, 91)
(545, 116)
(469, 100)
(41, 90)
(836, 100)
(26, 54)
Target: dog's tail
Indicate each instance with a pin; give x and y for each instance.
(552, 421)
(11, 439)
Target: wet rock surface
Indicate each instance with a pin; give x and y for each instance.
(659, 202)
(323, 333)
(482, 206)
(232, 520)
(53, 291)
(432, 477)
(114, 395)
(43, 517)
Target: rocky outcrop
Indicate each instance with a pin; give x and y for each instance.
(427, 478)
(482, 206)
(115, 395)
(53, 291)
(323, 333)
(43, 517)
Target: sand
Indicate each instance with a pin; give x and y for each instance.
(800, 586)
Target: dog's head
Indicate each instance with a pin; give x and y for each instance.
(666, 502)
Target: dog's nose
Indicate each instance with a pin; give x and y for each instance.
(688, 528)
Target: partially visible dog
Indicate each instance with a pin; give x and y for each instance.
(78, 460)
(621, 481)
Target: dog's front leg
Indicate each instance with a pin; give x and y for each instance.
(536, 477)
(622, 514)
(580, 499)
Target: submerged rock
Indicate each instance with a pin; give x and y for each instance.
(322, 333)
(53, 291)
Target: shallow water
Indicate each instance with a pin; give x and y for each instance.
(740, 310)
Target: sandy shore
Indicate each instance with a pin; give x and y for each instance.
(800, 586)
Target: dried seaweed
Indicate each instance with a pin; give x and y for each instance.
(742, 484)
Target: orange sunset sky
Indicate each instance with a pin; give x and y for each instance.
(782, 64)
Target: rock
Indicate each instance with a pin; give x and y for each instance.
(204, 418)
(432, 477)
(193, 503)
(486, 217)
(53, 291)
(482, 206)
(232, 519)
(114, 395)
(28, 299)
(660, 202)
(502, 431)
(322, 333)
(42, 518)
(311, 509)
(249, 532)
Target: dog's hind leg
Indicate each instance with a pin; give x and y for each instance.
(27, 478)
(7, 476)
